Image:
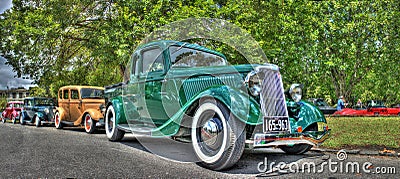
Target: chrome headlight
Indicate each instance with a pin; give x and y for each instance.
(296, 92)
(254, 83)
(46, 110)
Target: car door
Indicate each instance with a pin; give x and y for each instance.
(28, 107)
(152, 68)
(75, 105)
(63, 102)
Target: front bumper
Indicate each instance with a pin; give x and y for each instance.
(275, 140)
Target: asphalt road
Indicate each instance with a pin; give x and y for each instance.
(30, 152)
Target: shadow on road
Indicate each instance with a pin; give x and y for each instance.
(248, 164)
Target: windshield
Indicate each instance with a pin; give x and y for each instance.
(92, 93)
(44, 102)
(187, 57)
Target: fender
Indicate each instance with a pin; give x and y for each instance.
(309, 114)
(15, 114)
(241, 105)
(62, 113)
(118, 108)
(23, 115)
(40, 115)
(94, 113)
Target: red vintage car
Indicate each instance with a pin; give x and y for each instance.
(370, 111)
(12, 111)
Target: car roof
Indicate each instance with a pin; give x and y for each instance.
(16, 102)
(37, 98)
(80, 87)
(167, 43)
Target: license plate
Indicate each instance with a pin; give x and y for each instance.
(276, 124)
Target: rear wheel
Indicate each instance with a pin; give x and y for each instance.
(90, 124)
(300, 148)
(112, 131)
(57, 121)
(37, 121)
(3, 119)
(217, 137)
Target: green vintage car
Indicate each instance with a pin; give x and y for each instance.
(187, 91)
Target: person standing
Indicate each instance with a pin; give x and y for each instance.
(359, 103)
(340, 103)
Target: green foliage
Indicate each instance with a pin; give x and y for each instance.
(333, 47)
(3, 103)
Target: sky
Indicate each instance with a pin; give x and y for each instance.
(6, 73)
(7, 77)
(4, 5)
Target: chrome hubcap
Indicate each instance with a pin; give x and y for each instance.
(210, 131)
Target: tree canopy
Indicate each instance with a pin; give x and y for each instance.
(333, 47)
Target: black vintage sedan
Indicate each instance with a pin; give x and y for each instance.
(38, 111)
(323, 106)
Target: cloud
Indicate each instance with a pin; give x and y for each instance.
(4, 5)
(7, 77)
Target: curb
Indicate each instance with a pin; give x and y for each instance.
(358, 152)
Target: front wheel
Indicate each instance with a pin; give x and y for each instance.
(57, 121)
(3, 119)
(218, 138)
(112, 131)
(90, 124)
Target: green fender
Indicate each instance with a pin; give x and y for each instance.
(309, 114)
(241, 105)
(119, 109)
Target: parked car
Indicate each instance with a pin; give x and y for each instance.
(188, 91)
(38, 111)
(373, 108)
(322, 105)
(12, 111)
(80, 106)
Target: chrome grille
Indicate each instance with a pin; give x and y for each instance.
(272, 93)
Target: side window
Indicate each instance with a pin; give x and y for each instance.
(152, 61)
(60, 94)
(66, 95)
(74, 94)
(133, 64)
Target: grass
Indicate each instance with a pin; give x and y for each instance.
(363, 132)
